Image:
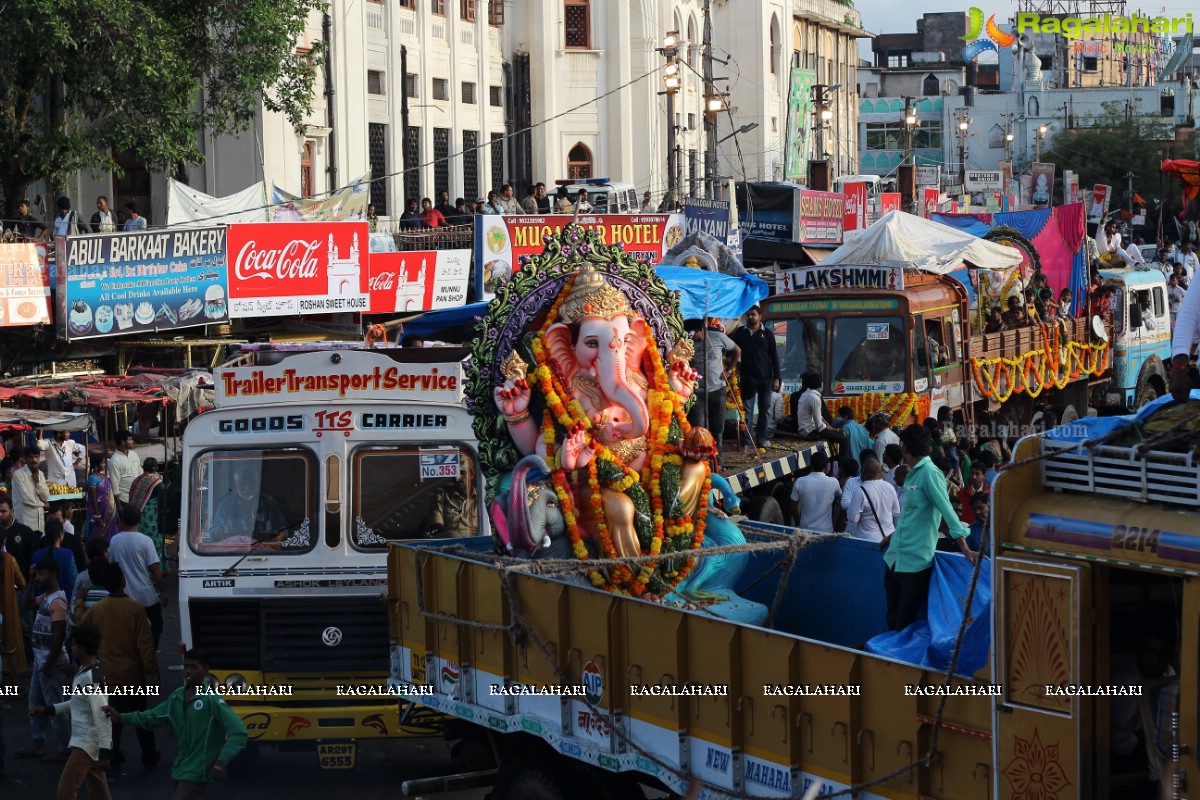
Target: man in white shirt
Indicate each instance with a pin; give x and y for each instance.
(509, 204)
(104, 220)
(882, 433)
(1187, 256)
(814, 495)
(139, 560)
(1108, 242)
(647, 204)
(1183, 342)
(810, 419)
(123, 466)
(67, 221)
(848, 477)
(582, 204)
(30, 497)
(63, 454)
(875, 507)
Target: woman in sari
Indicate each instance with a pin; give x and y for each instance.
(145, 494)
(12, 646)
(101, 502)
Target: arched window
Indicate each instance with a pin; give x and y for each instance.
(577, 25)
(306, 169)
(930, 86)
(579, 162)
(776, 45)
(1035, 108)
(693, 44)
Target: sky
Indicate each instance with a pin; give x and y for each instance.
(900, 16)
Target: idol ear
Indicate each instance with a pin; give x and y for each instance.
(558, 340)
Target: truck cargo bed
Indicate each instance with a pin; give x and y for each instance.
(851, 721)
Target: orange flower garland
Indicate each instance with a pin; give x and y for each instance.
(663, 407)
(1033, 372)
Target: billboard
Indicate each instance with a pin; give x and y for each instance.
(112, 284)
(1043, 184)
(286, 268)
(707, 216)
(820, 217)
(797, 148)
(501, 242)
(419, 280)
(24, 286)
(769, 210)
(855, 211)
(888, 202)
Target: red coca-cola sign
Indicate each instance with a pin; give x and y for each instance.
(287, 268)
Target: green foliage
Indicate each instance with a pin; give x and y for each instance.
(1104, 148)
(81, 81)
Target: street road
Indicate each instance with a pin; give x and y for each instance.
(380, 769)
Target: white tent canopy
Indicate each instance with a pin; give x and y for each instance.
(904, 240)
(188, 207)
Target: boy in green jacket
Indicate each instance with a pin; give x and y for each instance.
(208, 731)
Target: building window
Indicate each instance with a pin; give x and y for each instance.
(412, 85)
(377, 152)
(441, 89)
(471, 165)
(693, 45)
(412, 165)
(579, 163)
(495, 12)
(375, 82)
(898, 60)
(776, 47)
(930, 86)
(890, 135)
(438, 7)
(497, 161)
(996, 138)
(468, 93)
(575, 17)
(691, 122)
(408, 4)
(1090, 64)
(466, 10)
(441, 160)
(306, 169)
(496, 96)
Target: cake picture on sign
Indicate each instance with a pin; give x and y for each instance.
(214, 302)
(104, 319)
(79, 321)
(123, 312)
(191, 308)
(144, 314)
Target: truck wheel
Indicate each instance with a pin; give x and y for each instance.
(1067, 414)
(1147, 394)
(535, 783)
(764, 508)
(783, 496)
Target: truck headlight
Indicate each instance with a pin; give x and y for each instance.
(236, 682)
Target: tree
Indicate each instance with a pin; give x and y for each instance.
(82, 81)
(1105, 148)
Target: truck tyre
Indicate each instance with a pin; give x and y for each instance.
(1066, 414)
(534, 783)
(783, 496)
(1148, 393)
(764, 508)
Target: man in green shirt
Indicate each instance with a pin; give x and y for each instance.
(208, 732)
(910, 549)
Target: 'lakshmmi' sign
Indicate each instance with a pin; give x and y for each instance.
(357, 375)
(840, 277)
(501, 241)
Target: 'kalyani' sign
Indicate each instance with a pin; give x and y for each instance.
(840, 277)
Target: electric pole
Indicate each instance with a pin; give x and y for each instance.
(710, 117)
(671, 82)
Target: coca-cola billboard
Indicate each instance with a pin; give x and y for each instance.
(286, 268)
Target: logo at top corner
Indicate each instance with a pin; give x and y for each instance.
(983, 37)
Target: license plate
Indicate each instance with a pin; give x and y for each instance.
(336, 756)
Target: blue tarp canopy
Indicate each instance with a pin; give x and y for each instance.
(700, 292)
(1086, 429)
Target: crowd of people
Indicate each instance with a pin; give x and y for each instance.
(68, 222)
(81, 605)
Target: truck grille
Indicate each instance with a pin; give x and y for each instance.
(329, 635)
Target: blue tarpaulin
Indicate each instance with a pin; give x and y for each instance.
(930, 642)
(724, 296)
(1086, 429)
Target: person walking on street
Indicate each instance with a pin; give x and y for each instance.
(123, 467)
(52, 548)
(130, 663)
(813, 496)
(89, 586)
(12, 639)
(91, 731)
(134, 551)
(875, 507)
(759, 370)
(910, 549)
(101, 503)
(709, 408)
(20, 540)
(51, 670)
(207, 731)
(145, 494)
(30, 496)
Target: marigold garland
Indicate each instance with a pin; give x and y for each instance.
(664, 408)
(1053, 365)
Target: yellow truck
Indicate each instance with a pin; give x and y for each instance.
(1094, 560)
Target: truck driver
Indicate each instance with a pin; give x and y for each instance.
(248, 512)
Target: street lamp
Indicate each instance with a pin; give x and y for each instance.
(910, 122)
(671, 84)
(964, 124)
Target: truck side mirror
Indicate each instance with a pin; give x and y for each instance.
(1135, 313)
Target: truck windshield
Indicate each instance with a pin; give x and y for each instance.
(802, 343)
(264, 499)
(868, 350)
(438, 499)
